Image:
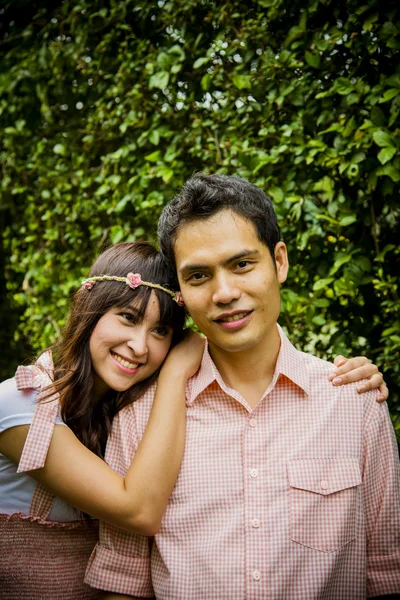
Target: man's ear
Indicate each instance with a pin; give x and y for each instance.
(281, 261)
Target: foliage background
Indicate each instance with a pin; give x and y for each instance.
(106, 107)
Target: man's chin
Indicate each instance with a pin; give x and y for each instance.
(232, 346)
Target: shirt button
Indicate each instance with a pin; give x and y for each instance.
(324, 484)
(253, 473)
(256, 575)
(255, 523)
(252, 422)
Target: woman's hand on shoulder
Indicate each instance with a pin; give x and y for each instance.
(185, 357)
(357, 369)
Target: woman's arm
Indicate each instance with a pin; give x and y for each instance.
(137, 502)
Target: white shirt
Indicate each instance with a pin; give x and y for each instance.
(16, 489)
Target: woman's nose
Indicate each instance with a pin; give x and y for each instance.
(138, 344)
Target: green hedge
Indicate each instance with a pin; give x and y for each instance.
(107, 107)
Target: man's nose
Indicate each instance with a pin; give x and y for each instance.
(138, 343)
(226, 289)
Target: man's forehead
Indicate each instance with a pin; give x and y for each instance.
(212, 228)
(219, 239)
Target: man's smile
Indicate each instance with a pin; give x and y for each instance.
(234, 319)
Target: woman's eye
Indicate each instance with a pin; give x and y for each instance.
(128, 317)
(162, 330)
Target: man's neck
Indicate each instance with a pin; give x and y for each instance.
(250, 371)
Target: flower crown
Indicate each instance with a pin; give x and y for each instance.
(134, 280)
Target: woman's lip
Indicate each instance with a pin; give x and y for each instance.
(125, 369)
(125, 357)
(235, 324)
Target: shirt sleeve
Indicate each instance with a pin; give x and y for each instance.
(17, 407)
(120, 562)
(381, 484)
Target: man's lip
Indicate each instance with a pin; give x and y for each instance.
(226, 315)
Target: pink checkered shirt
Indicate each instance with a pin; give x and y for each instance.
(295, 499)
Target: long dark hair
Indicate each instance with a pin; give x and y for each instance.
(73, 374)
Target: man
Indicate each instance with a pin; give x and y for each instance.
(289, 487)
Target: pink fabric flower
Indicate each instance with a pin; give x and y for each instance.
(179, 299)
(87, 285)
(133, 280)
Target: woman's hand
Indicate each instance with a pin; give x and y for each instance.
(185, 357)
(356, 369)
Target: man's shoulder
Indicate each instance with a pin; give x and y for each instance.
(315, 366)
(319, 370)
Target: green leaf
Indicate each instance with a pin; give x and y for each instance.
(394, 81)
(159, 80)
(348, 220)
(382, 138)
(201, 61)
(206, 82)
(339, 262)
(378, 116)
(241, 81)
(313, 59)
(388, 95)
(343, 86)
(277, 194)
(154, 156)
(154, 137)
(322, 283)
(321, 303)
(389, 171)
(59, 149)
(386, 154)
(178, 51)
(318, 320)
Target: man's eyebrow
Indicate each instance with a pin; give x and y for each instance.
(245, 253)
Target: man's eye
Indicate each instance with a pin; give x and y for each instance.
(243, 264)
(197, 276)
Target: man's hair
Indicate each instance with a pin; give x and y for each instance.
(204, 195)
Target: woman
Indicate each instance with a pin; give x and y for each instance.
(55, 420)
(118, 334)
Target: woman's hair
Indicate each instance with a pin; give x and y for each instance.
(89, 419)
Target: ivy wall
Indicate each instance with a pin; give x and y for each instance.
(106, 107)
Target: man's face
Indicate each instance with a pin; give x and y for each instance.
(229, 281)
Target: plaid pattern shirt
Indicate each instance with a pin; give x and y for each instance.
(296, 498)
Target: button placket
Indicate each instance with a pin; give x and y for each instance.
(254, 442)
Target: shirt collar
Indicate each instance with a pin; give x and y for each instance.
(290, 363)
(204, 377)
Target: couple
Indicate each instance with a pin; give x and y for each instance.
(288, 485)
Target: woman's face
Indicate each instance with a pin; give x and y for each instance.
(125, 350)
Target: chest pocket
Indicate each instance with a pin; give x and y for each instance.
(324, 498)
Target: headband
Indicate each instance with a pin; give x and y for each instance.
(134, 280)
